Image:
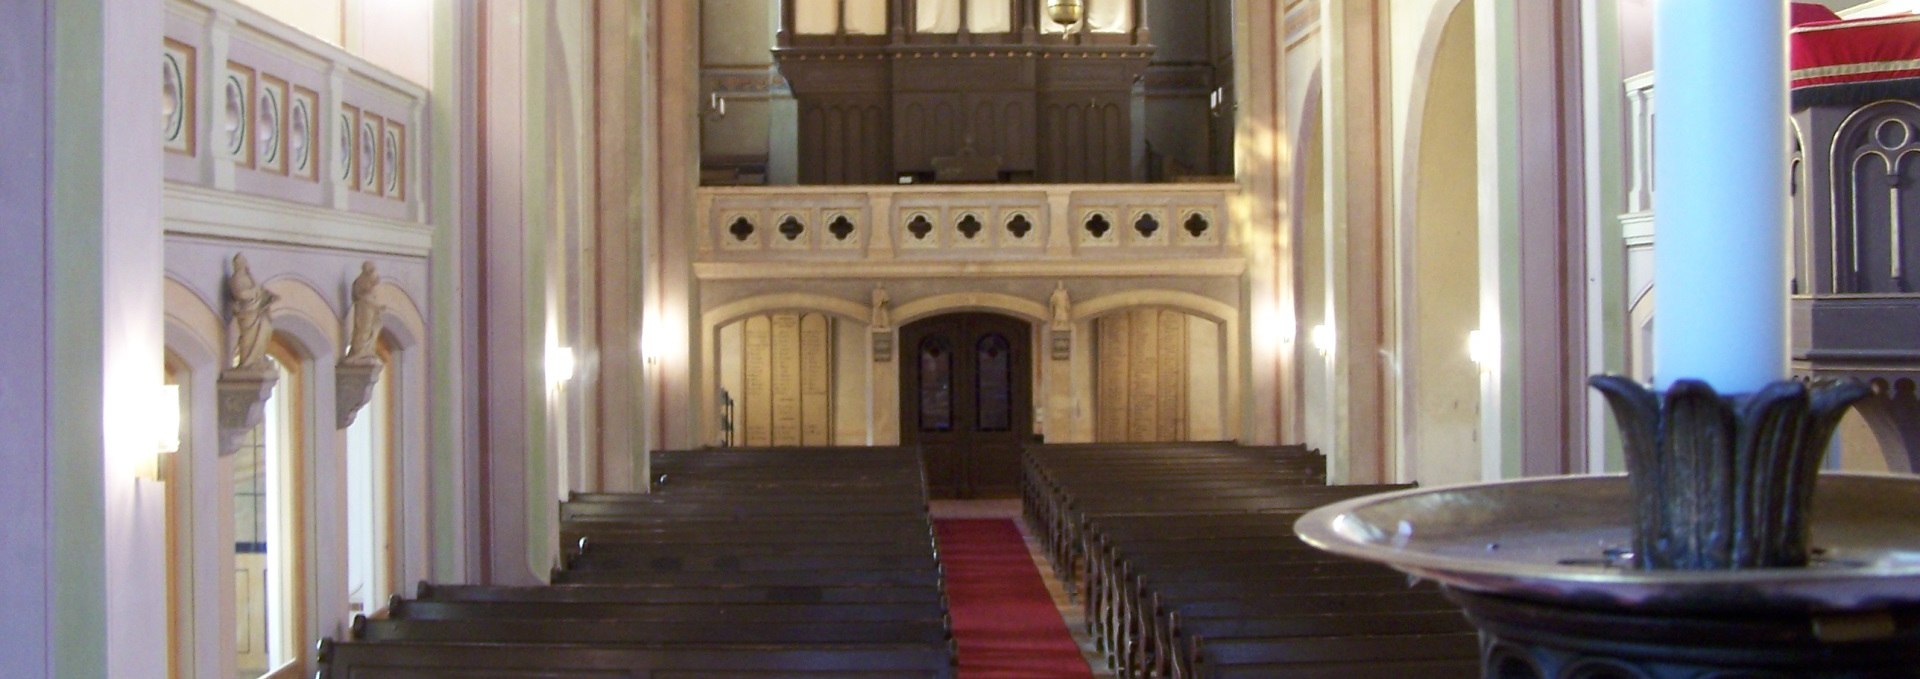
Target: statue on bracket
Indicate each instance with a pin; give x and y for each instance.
(249, 379)
(882, 316)
(1060, 330)
(881, 325)
(359, 370)
(251, 306)
(366, 318)
(1062, 307)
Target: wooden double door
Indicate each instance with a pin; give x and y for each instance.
(966, 398)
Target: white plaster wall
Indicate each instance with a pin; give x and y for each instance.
(396, 35)
(1206, 381)
(1442, 384)
(1411, 25)
(1316, 394)
(322, 19)
(851, 362)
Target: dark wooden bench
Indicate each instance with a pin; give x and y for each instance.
(424, 660)
(1186, 561)
(808, 563)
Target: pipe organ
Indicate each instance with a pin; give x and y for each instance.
(963, 90)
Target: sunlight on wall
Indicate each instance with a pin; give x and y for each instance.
(396, 35)
(319, 19)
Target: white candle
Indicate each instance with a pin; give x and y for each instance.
(1721, 163)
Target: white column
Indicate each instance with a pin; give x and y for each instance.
(1721, 166)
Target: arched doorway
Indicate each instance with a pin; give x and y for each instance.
(966, 398)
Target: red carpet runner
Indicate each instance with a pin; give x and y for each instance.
(1003, 619)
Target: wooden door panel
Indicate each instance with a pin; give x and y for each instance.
(966, 399)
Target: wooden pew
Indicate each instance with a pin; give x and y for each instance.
(1186, 561)
(771, 563)
(423, 660)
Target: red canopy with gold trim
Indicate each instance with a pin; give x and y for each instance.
(1854, 52)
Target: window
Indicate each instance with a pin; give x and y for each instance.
(371, 477)
(266, 535)
(994, 382)
(936, 385)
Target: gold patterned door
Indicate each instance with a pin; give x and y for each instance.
(966, 399)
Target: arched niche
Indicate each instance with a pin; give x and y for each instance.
(1439, 231)
(1160, 365)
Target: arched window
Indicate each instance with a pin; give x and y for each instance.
(267, 475)
(936, 385)
(371, 480)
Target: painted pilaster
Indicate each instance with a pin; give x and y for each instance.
(1532, 236)
(36, 626)
(103, 331)
(1606, 200)
(1357, 212)
(621, 373)
(677, 89)
(1262, 216)
(509, 360)
(453, 136)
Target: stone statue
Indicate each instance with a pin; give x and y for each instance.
(1062, 308)
(882, 316)
(366, 317)
(251, 306)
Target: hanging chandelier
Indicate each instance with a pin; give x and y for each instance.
(1066, 12)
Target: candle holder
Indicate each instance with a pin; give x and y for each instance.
(1723, 482)
(1716, 556)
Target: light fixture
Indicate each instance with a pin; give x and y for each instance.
(560, 365)
(1483, 348)
(716, 107)
(1285, 328)
(649, 345)
(1066, 12)
(166, 433)
(166, 419)
(1322, 338)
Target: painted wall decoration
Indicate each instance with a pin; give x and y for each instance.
(179, 93)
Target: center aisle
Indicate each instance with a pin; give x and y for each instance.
(1004, 621)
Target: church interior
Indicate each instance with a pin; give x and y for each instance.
(904, 338)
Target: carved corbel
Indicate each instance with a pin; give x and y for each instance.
(353, 389)
(1062, 343)
(243, 398)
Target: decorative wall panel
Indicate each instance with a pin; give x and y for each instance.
(1142, 370)
(786, 380)
(787, 386)
(179, 97)
(756, 405)
(816, 380)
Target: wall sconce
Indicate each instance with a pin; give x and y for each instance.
(716, 107)
(1483, 348)
(560, 366)
(166, 434)
(1285, 328)
(650, 345)
(1322, 338)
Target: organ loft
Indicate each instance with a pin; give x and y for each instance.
(959, 339)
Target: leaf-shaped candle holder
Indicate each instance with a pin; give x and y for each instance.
(1724, 482)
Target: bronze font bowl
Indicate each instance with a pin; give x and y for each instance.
(1565, 541)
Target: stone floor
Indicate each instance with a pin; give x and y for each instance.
(1070, 611)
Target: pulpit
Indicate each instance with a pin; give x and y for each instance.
(1856, 307)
